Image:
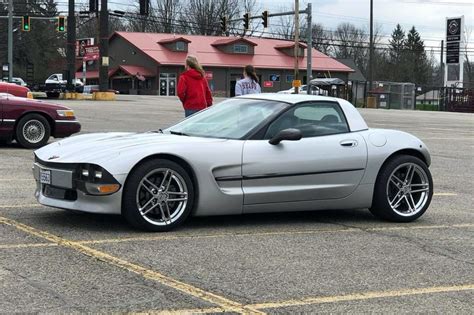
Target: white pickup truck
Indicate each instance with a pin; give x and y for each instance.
(55, 84)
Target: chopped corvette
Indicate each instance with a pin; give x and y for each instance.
(31, 122)
(255, 153)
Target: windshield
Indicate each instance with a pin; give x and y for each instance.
(231, 119)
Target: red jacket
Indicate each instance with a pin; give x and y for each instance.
(193, 90)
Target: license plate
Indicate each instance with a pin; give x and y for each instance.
(45, 176)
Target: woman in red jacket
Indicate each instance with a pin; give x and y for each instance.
(193, 90)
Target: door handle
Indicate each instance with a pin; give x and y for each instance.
(348, 143)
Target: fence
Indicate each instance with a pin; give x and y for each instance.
(445, 99)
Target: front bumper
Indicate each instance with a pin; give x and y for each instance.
(62, 192)
(65, 128)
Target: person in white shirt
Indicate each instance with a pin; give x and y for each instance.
(249, 84)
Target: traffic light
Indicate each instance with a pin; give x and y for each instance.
(61, 24)
(246, 21)
(144, 7)
(25, 23)
(265, 19)
(224, 24)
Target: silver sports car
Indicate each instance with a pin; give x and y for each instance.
(256, 153)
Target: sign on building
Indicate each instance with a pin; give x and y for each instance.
(268, 84)
(209, 75)
(274, 77)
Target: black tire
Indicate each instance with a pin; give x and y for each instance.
(132, 195)
(381, 207)
(28, 127)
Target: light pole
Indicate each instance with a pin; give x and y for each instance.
(10, 40)
(371, 45)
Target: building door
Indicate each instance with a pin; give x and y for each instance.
(168, 84)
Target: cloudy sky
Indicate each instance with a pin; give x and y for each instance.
(428, 16)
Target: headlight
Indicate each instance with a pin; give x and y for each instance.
(65, 113)
(95, 180)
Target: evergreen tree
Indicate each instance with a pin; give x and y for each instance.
(395, 55)
(416, 59)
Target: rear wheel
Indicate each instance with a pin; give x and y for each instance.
(403, 189)
(158, 196)
(33, 131)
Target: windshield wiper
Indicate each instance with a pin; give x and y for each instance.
(178, 133)
(156, 131)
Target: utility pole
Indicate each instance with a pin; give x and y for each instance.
(371, 48)
(104, 47)
(10, 40)
(71, 47)
(297, 42)
(309, 49)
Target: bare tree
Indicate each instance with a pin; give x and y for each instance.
(468, 63)
(322, 39)
(167, 13)
(284, 27)
(203, 16)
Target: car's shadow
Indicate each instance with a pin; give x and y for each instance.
(116, 225)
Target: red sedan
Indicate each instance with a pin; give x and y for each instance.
(14, 89)
(31, 122)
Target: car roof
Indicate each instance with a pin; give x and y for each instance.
(289, 98)
(354, 119)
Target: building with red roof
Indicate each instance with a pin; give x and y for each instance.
(150, 63)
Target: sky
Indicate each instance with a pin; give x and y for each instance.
(428, 16)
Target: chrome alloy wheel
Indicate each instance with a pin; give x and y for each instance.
(408, 189)
(162, 196)
(33, 131)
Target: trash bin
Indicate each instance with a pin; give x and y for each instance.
(371, 102)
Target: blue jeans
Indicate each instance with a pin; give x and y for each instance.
(189, 112)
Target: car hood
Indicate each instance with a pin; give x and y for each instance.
(36, 103)
(103, 147)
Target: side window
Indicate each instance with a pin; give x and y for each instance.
(313, 119)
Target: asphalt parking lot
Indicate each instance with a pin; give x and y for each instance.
(54, 261)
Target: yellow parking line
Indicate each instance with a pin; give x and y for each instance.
(189, 311)
(363, 296)
(445, 194)
(227, 304)
(15, 179)
(324, 299)
(284, 232)
(30, 245)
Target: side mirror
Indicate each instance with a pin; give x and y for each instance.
(290, 134)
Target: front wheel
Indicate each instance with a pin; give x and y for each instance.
(158, 196)
(403, 189)
(33, 131)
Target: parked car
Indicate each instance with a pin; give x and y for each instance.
(55, 85)
(253, 153)
(90, 89)
(14, 89)
(16, 80)
(304, 90)
(58, 78)
(31, 122)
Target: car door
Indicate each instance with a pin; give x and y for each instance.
(327, 163)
